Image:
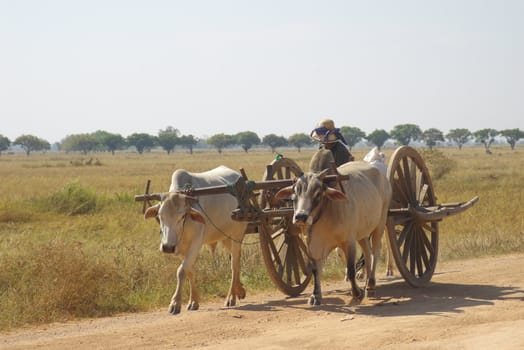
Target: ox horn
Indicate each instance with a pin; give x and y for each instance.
(323, 174)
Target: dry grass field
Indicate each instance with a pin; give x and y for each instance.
(73, 243)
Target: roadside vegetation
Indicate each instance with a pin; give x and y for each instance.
(73, 242)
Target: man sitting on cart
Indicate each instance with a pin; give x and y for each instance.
(330, 138)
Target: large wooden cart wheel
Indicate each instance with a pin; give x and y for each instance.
(413, 242)
(283, 250)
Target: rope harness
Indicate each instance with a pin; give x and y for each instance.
(221, 231)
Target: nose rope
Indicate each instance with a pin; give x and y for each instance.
(318, 208)
(183, 219)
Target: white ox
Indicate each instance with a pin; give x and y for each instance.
(323, 159)
(332, 218)
(187, 223)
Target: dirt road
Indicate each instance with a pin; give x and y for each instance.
(473, 304)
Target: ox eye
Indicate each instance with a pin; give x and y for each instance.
(316, 198)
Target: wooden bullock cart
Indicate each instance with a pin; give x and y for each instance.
(412, 227)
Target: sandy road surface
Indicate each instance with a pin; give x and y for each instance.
(472, 304)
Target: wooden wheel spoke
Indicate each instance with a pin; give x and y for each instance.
(294, 273)
(408, 177)
(274, 253)
(404, 233)
(280, 175)
(290, 262)
(413, 251)
(277, 234)
(419, 249)
(427, 244)
(415, 176)
(424, 252)
(282, 251)
(419, 185)
(283, 258)
(280, 226)
(422, 193)
(302, 252)
(407, 244)
(401, 185)
(400, 191)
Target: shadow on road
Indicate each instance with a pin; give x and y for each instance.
(398, 299)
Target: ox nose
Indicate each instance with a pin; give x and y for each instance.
(167, 248)
(301, 217)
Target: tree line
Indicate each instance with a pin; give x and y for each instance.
(169, 138)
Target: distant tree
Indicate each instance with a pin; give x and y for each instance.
(405, 133)
(459, 136)
(221, 141)
(299, 140)
(274, 141)
(109, 141)
(80, 143)
(4, 144)
(486, 137)
(31, 143)
(188, 141)
(168, 139)
(512, 136)
(141, 141)
(352, 135)
(378, 137)
(431, 136)
(247, 139)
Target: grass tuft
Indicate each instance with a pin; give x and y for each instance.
(74, 199)
(57, 281)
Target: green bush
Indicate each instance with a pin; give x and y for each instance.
(74, 199)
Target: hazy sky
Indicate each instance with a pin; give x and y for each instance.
(207, 67)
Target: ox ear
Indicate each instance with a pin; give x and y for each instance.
(152, 212)
(196, 216)
(335, 194)
(285, 192)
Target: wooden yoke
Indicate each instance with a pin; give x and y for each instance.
(243, 190)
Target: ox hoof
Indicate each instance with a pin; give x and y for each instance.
(358, 294)
(314, 300)
(371, 292)
(242, 293)
(230, 303)
(193, 305)
(174, 309)
(389, 272)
